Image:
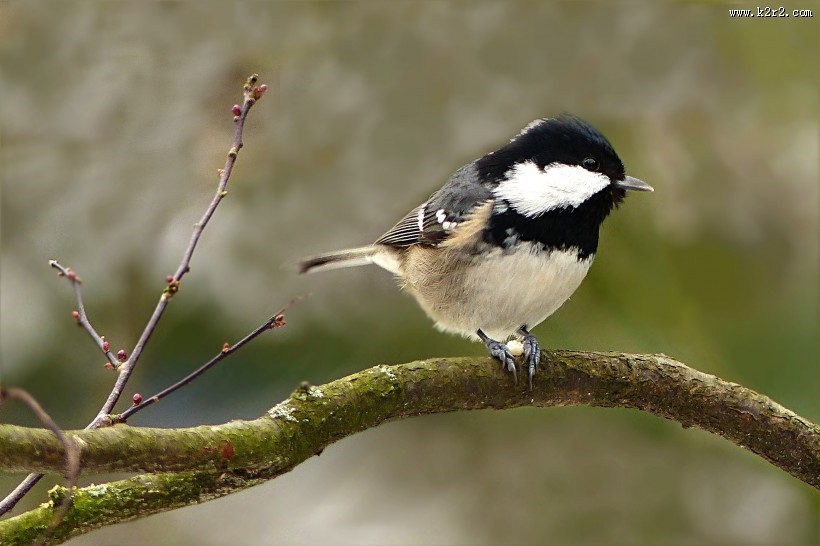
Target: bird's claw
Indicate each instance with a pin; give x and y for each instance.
(502, 353)
(532, 354)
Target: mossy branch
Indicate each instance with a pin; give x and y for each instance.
(193, 465)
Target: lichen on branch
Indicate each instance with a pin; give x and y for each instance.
(193, 465)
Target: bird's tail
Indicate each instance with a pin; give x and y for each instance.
(351, 257)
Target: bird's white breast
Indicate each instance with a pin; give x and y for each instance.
(500, 291)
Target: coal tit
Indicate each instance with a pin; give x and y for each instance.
(508, 239)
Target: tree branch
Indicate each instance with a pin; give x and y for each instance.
(276, 321)
(206, 462)
(72, 455)
(251, 94)
(81, 315)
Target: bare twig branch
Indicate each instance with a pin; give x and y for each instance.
(203, 463)
(11, 500)
(82, 317)
(72, 452)
(251, 93)
(276, 321)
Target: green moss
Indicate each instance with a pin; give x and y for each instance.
(314, 417)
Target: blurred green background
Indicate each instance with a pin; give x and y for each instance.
(116, 114)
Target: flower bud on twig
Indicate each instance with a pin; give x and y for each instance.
(278, 322)
(259, 91)
(172, 288)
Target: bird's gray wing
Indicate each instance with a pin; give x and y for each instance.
(432, 222)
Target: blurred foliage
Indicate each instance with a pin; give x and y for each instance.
(116, 115)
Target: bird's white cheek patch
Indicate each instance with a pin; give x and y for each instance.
(532, 191)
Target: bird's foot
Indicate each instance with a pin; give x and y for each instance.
(500, 352)
(532, 352)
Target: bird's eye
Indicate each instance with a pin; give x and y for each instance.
(590, 164)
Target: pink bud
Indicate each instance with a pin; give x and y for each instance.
(278, 322)
(236, 109)
(106, 346)
(71, 275)
(122, 355)
(75, 315)
(169, 279)
(137, 399)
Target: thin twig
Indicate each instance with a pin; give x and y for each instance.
(72, 452)
(81, 317)
(19, 492)
(251, 94)
(276, 321)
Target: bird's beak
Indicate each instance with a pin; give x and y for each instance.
(632, 183)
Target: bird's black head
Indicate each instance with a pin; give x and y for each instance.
(555, 182)
(568, 140)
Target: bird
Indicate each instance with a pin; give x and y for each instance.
(507, 239)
